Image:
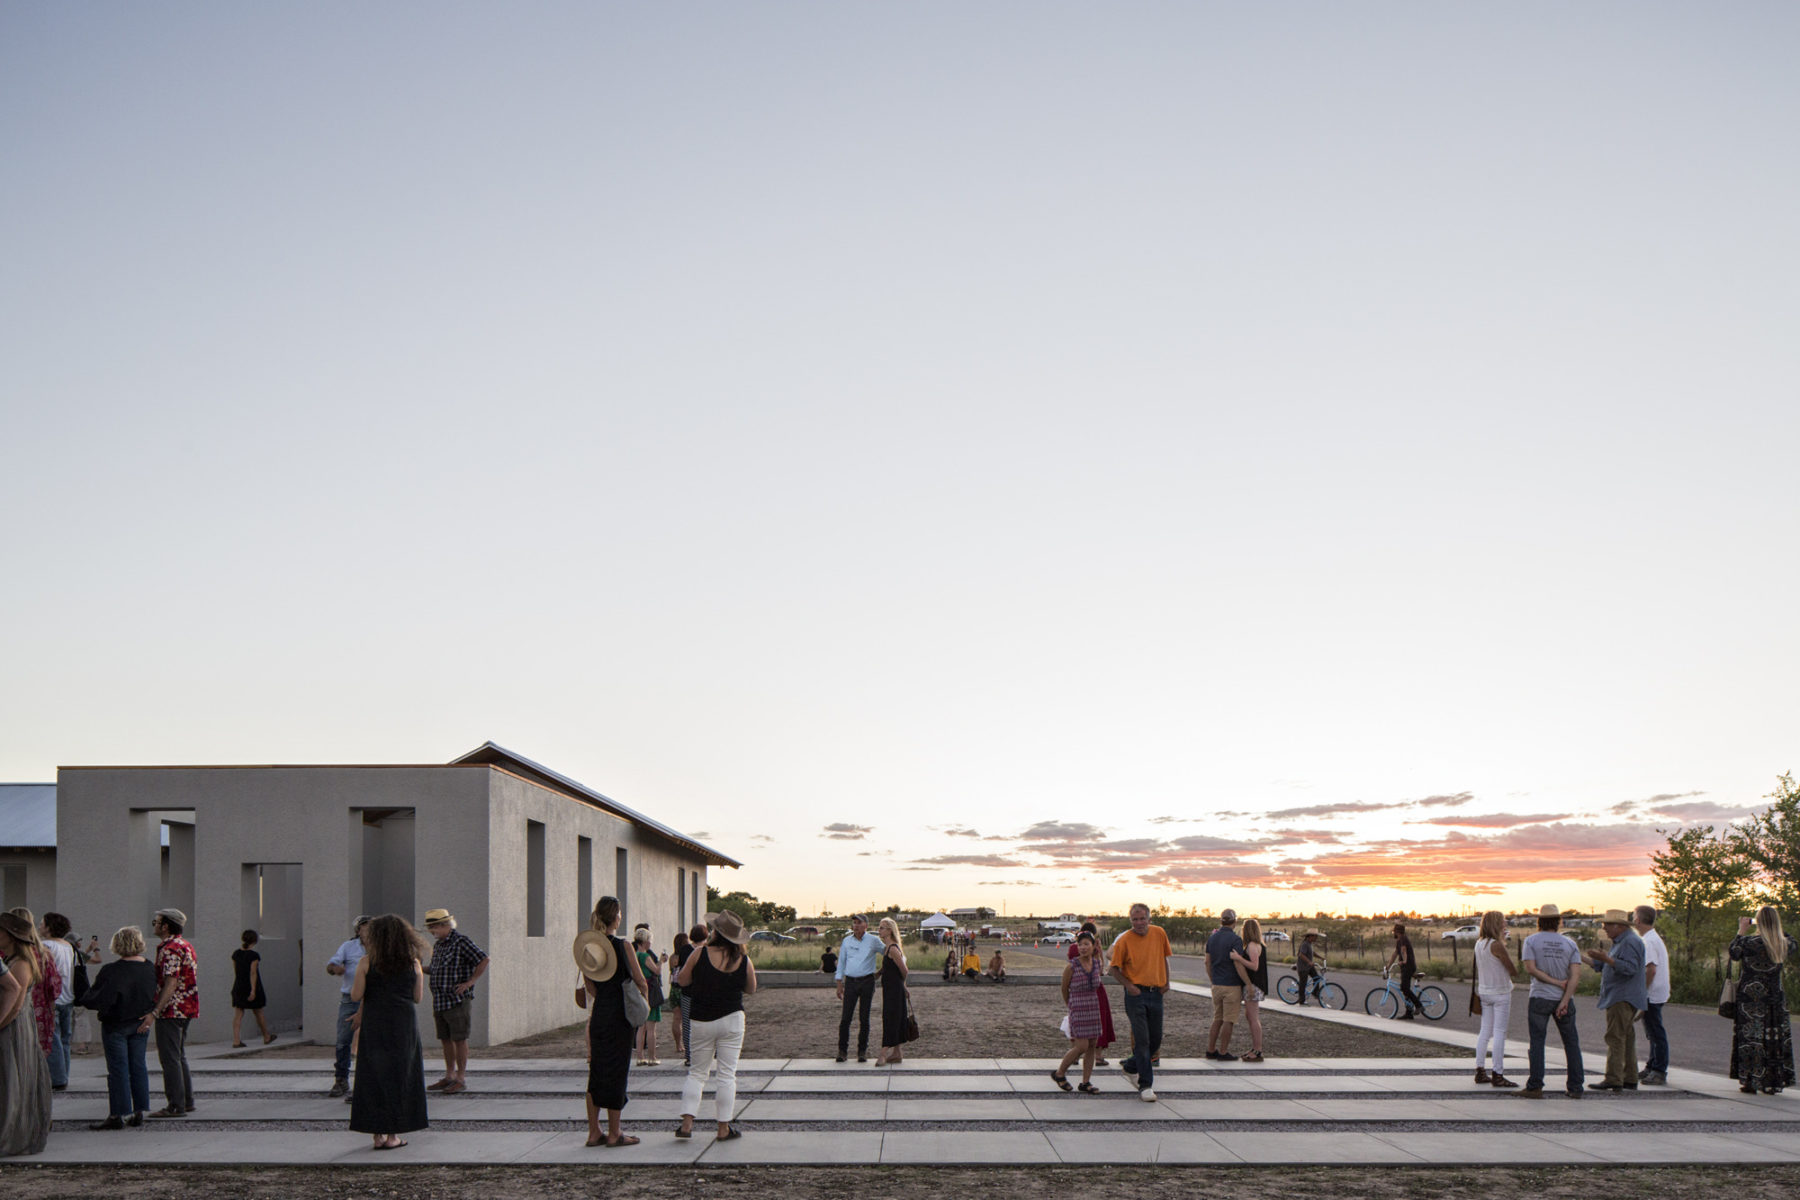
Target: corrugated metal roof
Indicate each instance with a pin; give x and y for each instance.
(28, 815)
(500, 756)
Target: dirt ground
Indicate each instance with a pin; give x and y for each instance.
(972, 1021)
(899, 1183)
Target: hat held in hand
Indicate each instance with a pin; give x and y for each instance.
(594, 955)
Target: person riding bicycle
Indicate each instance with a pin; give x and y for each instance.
(1309, 960)
(1403, 955)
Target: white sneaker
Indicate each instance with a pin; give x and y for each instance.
(1148, 1096)
(1129, 1074)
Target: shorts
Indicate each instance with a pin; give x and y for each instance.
(453, 1024)
(1228, 1003)
(1256, 994)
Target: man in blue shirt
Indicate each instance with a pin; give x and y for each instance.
(1622, 997)
(859, 957)
(1227, 978)
(343, 963)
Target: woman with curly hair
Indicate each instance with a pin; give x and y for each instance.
(389, 1097)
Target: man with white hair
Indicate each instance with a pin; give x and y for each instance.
(1140, 962)
(456, 963)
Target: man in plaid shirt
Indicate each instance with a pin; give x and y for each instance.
(456, 963)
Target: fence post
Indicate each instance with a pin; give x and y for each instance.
(1453, 948)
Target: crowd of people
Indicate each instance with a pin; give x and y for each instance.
(387, 967)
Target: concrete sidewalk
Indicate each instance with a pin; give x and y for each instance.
(953, 1111)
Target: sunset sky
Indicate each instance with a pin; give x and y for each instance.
(1040, 455)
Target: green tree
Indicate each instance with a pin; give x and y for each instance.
(1696, 879)
(1770, 843)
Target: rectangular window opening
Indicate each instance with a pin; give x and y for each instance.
(534, 879)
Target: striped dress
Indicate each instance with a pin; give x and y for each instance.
(1084, 1002)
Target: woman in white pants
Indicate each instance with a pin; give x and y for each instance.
(715, 979)
(1494, 973)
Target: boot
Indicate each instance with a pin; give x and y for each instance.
(1481, 1075)
(1500, 1081)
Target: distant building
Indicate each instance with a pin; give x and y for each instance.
(28, 846)
(518, 852)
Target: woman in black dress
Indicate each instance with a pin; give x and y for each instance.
(1762, 1040)
(247, 991)
(389, 1096)
(893, 993)
(607, 967)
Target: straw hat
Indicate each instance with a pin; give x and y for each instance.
(594, 955)
(1616, 916)
(439, 916)
(730, 926)
(173, 914)
(1549, 910)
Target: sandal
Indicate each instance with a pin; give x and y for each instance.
(1253, 1056)
(625, 1139)
(1089, 1088)
(1062, 1081)
(729, 1137)
(683, 1133)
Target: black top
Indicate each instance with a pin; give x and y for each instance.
(122, 992)
(828, 962)
(714, 993)
(1259, 977)
(1403, 947)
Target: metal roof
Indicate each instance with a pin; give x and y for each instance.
(499, 756)
(28, 815)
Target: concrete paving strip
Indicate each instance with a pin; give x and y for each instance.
(1313, 1146)
(1107, 1107)
(787, 1148)
(1678, 1147)
(838, 1084)
(1514, 1150)
(944, 1108)
(766, 1108)
(947, 1148)
(1077, 1147)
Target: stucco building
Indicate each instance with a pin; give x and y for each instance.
(518, 852)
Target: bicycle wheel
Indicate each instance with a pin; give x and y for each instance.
(1380, 1002)
(1333, 996)
(1288, 989)
(1433, 1003)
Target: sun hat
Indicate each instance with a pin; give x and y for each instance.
(1549, 910)
(17, 928)
(1311, 933)
(1616, 916)
(438, 915)
(173, 914)
(594, 955)
(730, 926)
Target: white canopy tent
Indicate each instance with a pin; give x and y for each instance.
(937, 921)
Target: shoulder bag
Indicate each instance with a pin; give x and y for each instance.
(912, 1021)
(1728, 994)
(637, 1008)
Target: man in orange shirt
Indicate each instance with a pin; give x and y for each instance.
(1140, 961)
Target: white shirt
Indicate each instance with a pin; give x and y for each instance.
(1656, 954)
(64, 954)
(1491, 979)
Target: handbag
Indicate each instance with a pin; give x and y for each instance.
(637, 1007)
(1728, 995)
(1474, 1000)
(912, 1022)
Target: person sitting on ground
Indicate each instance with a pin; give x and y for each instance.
(828, 961)
(997, 967)
(972, 964)
(950, 965)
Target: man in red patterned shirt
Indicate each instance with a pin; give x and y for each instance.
(177, 1003)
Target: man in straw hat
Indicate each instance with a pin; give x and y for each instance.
(1306, 962)
(1622, 997)
(456, 963)
(1554, 964)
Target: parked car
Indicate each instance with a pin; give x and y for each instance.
(1462, 933)
(769, 935)
(804, 931)
(1059, 939)
(1275, 935)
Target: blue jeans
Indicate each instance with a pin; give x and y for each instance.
(1538, 1015)
(62, 1033)
(1658, 1038)
(127, 1079)
(1145, 1012)
(346, 1010)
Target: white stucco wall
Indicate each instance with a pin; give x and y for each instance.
(31, 882)
(469, 855)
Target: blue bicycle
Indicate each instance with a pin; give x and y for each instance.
(1389, 1001)
(1329, 995)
